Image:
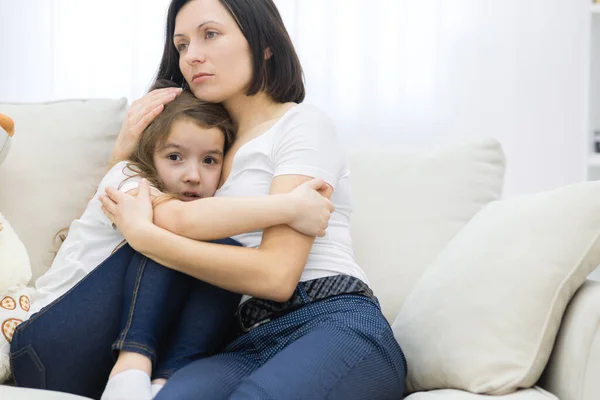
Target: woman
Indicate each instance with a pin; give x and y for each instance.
(310, 328)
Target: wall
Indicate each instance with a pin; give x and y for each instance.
(399, 73)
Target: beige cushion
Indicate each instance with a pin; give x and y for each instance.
(535, 393)
(13, 393)
(58, 156)
(409, 204)
(483, 318)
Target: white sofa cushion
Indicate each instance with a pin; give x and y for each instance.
(483, 318)
(59, 154)
(14, 393)
(534, 393)
(409, 204)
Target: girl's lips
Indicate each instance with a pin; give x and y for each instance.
(188, 196)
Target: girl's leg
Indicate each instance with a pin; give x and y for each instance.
(66, 346)
(206, 325)
(153, 297)
(157, 299)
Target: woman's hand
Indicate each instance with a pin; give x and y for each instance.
(312, 207)
(141, 113)
(131, 214)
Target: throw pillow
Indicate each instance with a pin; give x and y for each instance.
(54, 166)
(484, 317)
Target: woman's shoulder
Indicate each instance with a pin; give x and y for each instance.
(306, 120)
(308, 113)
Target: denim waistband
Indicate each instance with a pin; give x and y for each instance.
(255, 311)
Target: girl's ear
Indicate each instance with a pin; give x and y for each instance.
(268, 53)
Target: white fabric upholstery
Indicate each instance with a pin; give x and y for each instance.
(573, 372)
(409, 205)
(13, 393)
(483, 318)
(534, 393)
(59, 153)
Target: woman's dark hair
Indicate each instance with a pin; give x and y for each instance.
(280, 75)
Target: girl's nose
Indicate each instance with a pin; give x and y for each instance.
(192, 175)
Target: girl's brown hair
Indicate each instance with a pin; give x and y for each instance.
(185, 106)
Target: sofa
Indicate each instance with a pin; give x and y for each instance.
(416, 213)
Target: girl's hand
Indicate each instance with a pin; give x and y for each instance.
(140, 114)
(132, 215)
(312, 207)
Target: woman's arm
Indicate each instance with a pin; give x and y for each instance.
(270, 271)
(218, 217)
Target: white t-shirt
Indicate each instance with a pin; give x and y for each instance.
(302, 142)
(90, 241)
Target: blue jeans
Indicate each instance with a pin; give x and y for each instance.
(127, 303)
(340, 348)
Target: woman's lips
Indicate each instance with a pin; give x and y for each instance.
(199, 78)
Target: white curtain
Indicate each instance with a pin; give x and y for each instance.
(389, 72)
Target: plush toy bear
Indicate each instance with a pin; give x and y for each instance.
(15, 271)
(7, 130)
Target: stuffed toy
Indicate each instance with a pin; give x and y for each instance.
(15, 271)
(7, 130)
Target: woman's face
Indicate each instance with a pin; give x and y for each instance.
(214, 55)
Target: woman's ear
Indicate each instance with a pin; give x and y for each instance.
(268, 53)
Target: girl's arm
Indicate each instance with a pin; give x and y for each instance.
(218, 217)
(271, 271)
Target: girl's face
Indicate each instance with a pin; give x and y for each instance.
(189, 162)
(214, 55)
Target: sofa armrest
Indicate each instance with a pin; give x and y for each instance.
(573, 370)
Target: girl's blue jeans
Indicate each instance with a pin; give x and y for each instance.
(128, 302)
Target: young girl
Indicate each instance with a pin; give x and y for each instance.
(159, 314)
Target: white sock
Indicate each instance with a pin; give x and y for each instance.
(132, 384)
(155, 389)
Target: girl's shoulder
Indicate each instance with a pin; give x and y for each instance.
(118, 174)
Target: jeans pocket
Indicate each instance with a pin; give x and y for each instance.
(28, 369)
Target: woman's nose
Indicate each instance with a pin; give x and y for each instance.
(194, 53)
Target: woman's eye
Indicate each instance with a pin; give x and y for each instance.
(210, 160)
(181, 47)
(174, 157)
(211, 34)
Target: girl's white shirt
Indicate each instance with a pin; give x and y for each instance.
(90, 241)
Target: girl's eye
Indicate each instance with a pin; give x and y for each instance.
(174, 157)
(210, 160)
(181, 47)
(211, 34)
